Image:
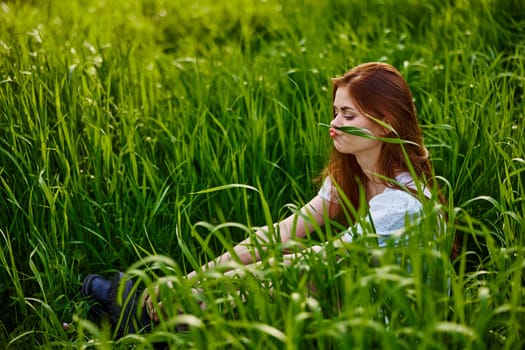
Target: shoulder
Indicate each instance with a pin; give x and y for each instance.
(406, 180)
(328, 191)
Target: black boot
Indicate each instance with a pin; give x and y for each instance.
(123, 317)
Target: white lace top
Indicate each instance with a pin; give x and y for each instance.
(388, 211)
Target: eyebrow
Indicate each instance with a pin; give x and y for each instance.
(345, 108)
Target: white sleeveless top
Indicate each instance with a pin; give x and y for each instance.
(388, 211)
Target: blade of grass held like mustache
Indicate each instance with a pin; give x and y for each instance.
(353, 130)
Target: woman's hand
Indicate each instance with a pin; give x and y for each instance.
(153, 309)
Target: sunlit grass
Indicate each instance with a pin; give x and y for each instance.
(149, 136)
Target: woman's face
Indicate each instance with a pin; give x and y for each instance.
(347, 114)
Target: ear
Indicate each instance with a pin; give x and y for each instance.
(386, 127)
(389, 131)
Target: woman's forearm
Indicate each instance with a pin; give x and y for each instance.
(295, 225)
(246, 252)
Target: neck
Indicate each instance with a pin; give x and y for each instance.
(374, 185)
(369, 166)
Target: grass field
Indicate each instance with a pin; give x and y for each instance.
(148, 136)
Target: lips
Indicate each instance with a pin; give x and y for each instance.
(333, 133)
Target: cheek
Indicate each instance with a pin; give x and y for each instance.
(361, 122)
(359, 142)
(374, 129)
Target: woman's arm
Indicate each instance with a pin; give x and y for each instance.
(297, 224)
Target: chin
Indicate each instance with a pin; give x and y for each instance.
(343, 151)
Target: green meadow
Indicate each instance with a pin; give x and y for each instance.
(149, 136)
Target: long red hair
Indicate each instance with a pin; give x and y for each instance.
(379, 90)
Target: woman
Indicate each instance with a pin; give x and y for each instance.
(372, 164)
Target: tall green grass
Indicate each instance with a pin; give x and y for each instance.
(116, 118)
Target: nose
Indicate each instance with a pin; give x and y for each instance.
(335, 121)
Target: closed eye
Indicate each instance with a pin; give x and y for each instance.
(347, 113)
(346, 117)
